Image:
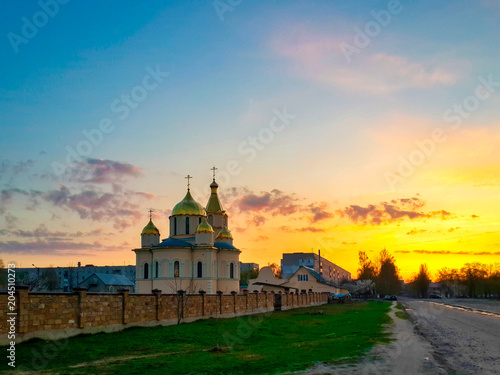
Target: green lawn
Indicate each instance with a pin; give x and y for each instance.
(259, 344)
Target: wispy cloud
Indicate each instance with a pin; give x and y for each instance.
(99, 171)
(319, 58)
(40, 247)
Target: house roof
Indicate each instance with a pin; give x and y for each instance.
(111, 279)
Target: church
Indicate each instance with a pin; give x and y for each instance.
(198, 255)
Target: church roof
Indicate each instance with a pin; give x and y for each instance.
(150, 229)
(188, 206)
(224, 246)
(174, 242)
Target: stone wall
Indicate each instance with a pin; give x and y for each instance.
(58, 315)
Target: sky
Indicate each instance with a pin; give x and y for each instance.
(334, 125)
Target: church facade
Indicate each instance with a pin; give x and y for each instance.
(198, 254)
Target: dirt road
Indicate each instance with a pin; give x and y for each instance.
(463, 341)
(438, 339)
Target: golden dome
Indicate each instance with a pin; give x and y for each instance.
(150, 229)
(225, 233)
(188, 206)
(204, 226)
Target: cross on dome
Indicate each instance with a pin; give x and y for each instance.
(213, 170)
(188, 178)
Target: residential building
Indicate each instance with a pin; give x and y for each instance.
(326, 269)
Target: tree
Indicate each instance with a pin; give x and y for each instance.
(34, 282)
(363, 287)
(422, 281)
(388, 277)
(473, 276)
(245, 276)
(276, 270)
(449, 281)
(366, 270)
(51, 279)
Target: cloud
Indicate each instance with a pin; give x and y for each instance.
(451, 230)
(474, 216)
(319, 212)
(286, 228)
(349, 243)
(416, 231)
(42, 232)
(52, 247)
(261, 238)
(100, 171)
(95, 205)
(274, 202)
(384, 212)
(258, 220)
(320, 58)
(447, 252)
(9, 169)
(388, 212)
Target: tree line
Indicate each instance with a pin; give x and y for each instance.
(473, 280)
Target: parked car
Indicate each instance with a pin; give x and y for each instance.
(435, 296)
(390, 298)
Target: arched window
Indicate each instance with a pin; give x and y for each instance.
(146, 271)
(231, 270)
(200, 269)
(175, 226)
(199, 220)
(187, 225)
(157, 269)
(176, 268)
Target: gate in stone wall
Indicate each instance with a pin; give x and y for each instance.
(277, 302)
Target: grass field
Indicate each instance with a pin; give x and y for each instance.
(259, 344)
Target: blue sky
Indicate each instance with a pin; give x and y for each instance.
(226, 77)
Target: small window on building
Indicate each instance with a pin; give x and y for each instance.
(187, 225)
(175, 226)
(303, 277)
(231, 271)
(199, 220)
(200, 270)
(157, 269)
(176, 269)
(146, 271)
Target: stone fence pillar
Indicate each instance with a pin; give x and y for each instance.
(202, 294)
(82, 296)
(157, 293)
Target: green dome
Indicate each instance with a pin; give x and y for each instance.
(225, 233)
(204, 226)
(150, 229)
(188, 206)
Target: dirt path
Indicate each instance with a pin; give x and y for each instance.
(408, 354)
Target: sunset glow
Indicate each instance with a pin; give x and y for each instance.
(321, 142)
